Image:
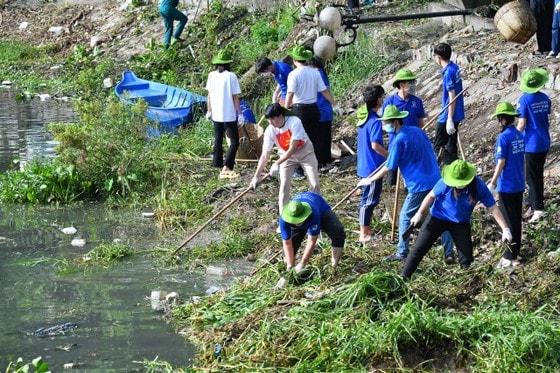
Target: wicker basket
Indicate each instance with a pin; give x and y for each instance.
(516, 21)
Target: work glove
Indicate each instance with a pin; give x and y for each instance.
(208, 115)
(254, 183)
(450, 127)
(274, 98)
(492, 188)
(274, 169)
(337, 110)
(240, 121)
(506, 235)
(416, 219)
(364, 182)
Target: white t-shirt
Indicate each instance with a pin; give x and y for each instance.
(305, 82)
(281, 137)
(221, 87)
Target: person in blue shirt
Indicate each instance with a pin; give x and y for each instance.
(445, 141)
(279, 70)
(411, 152)
(405, 100)
(170, 13)
(371, 154)
(509, 178)
(309, 213)
(534, 107)
(451, 203)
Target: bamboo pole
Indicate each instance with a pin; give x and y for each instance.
(396, 204)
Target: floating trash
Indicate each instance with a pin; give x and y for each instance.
(69, 230)
(78, 242)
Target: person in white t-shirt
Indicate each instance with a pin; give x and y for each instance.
(225, 112)
(304, 85)
(294, 149)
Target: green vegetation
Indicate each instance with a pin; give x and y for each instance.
(37, 365)
(362, 317)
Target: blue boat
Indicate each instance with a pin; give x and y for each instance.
(171, 107)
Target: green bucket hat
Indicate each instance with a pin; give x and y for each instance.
(393, 112)
(362, 114)
(223, 57)
(533, 80)
(459, 173)
(403, 75)
(296, 212)
(504, 108)
(299, 53)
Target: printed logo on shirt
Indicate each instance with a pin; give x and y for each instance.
(284, 139)
(517, 146)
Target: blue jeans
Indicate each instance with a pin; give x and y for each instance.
(555, 45)
(410, 207)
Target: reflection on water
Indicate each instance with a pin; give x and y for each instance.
(22, 133)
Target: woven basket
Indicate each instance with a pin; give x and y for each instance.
(250, 141)
(516, 21)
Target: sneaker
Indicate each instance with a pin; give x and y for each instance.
(450, 259)
(395, 258)
(527, 214)
(537, 215)
(551, 54)
(505, 263)
(228, 175)
(298, 175)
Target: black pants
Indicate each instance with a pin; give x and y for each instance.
(511, 206)
(446, 144)
(221, 129)
(534, 174)
(324, 141)
(543, 11)
(310, 115)
(330, 224)
(431, 230)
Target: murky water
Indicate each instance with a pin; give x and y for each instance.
(22, 132)
(117, 326)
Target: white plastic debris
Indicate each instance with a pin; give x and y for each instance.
(212, 290)
(217, 271)
(78, 242)
(45, 97)
(94, 40)
(148, 214)
(58, 29)
(156, 299)
(23, 25)
(6, 83)
(107, 82)
(69, 230)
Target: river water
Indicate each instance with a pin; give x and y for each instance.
(117, 327)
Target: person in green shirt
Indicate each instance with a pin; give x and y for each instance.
(170, 13)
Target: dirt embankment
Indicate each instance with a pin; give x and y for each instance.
(485, 58)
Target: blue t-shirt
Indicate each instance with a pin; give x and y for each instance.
(412, 104)
(412, 152)
(325, 106)
(368, 160)
(535, 107)
(313, 223)
(459, 210)
(281, 71)
(248, 114)
(452, 81)
(510, 146)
